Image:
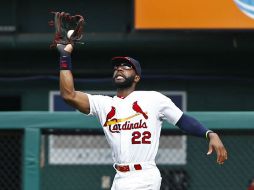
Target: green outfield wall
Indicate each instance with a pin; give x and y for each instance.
(41, 171)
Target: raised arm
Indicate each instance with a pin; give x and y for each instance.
(76, 99)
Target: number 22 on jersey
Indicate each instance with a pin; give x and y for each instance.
(141, 138)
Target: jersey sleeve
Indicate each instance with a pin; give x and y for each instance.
(167, 109)
(98, 106)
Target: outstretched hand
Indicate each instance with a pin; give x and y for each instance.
(68, 48)
(64, 49)
(216, 144)
(69, 29)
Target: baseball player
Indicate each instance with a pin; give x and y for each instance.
(132, 122)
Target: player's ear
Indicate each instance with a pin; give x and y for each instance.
(137, 78)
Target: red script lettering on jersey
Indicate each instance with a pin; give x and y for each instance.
(116, 128)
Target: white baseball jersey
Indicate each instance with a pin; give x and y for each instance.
(132, 125)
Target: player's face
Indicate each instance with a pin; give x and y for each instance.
(124, 75)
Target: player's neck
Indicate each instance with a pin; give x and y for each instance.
(122, 93)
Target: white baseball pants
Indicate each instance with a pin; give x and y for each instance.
(145, 179)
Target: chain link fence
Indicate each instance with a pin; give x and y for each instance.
(79, 160)
(11, 143)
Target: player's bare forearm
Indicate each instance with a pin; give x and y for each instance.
(76, 99)
(66, 85)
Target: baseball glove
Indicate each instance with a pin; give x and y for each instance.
(64, 22)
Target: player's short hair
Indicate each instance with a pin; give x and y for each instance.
(133, 62)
